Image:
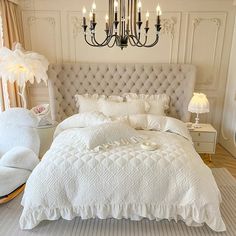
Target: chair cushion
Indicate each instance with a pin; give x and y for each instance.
(20, 157)
(11, 179)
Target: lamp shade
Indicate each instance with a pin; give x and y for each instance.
(198, 103)
(21, 66)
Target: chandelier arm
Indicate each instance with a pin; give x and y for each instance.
(90, 44)
(154, 43)
(131, 41)
(134, 39)
(138, 43)
(113, 44)
(104, 43)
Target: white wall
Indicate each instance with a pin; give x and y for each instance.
(228, 126)
(194, 31)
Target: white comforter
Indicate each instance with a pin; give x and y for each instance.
(122, 181)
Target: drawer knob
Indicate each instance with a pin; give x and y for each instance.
(199, 134)
(198, 144)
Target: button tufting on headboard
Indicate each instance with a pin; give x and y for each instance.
(65, 80)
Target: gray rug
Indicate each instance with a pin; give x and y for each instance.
(10, 213)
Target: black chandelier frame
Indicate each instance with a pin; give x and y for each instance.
(123, 31)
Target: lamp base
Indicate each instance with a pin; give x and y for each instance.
(196, 124)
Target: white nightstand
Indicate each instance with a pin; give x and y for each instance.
(46, 137)
(204, 139)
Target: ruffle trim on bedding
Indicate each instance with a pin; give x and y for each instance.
(118, 143)
(189, 214)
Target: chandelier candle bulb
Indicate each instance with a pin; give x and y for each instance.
(84, 18)
(106, 19)
(158, 14)
(147, 19)
(116, 9)
(139, 10)
(91, 17)
(93, 11)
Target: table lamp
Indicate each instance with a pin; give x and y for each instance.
(198, 104)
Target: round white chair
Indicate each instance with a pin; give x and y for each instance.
(19, 149)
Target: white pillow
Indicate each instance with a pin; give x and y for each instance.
(82, 120)
(147, 122)
(117, 109)
(88, 103)
(158, 102)
(19, 116)
(106, 135)
(20, 158)
(178, 127)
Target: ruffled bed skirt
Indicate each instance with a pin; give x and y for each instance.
(191, 215)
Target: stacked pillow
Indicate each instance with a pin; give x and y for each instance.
(126, 105)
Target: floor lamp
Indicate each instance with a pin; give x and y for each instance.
(21, 66)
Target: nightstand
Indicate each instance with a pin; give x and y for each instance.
(204, 139)
(46, 137)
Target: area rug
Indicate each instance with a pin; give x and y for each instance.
(10, 214)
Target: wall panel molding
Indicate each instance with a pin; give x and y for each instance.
(42, 33)
(195, 32)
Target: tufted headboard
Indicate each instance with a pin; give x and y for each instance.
(66, 80)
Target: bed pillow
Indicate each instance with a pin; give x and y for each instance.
(109, 134)
(118, 109)
(82, 120)
(147, 122)
(159, 103)
(88, 103)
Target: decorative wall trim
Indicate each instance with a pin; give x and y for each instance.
(168, 27)
(218, 20)
(31, 22)
(196, 23)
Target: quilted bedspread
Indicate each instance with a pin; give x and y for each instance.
(124, 181)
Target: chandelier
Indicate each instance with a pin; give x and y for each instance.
(123, 25)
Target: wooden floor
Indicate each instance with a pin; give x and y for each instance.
(222, 159)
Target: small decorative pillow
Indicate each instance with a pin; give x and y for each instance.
(117, 109)
(159, 103)
(88, 103)
(82, 120)
(147, 122)
(109, 134)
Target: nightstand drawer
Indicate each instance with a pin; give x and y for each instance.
(204, 147)
(203, 137)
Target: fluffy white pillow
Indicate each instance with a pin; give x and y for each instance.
(147, 122)
(178, 127)
(159, 103)
(117, 109)
(88, 103)
(82, 120)
(108, 134)
(20, 158)
(19, 116)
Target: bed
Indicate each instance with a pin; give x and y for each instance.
(97, 168)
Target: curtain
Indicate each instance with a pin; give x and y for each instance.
(12, 32)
